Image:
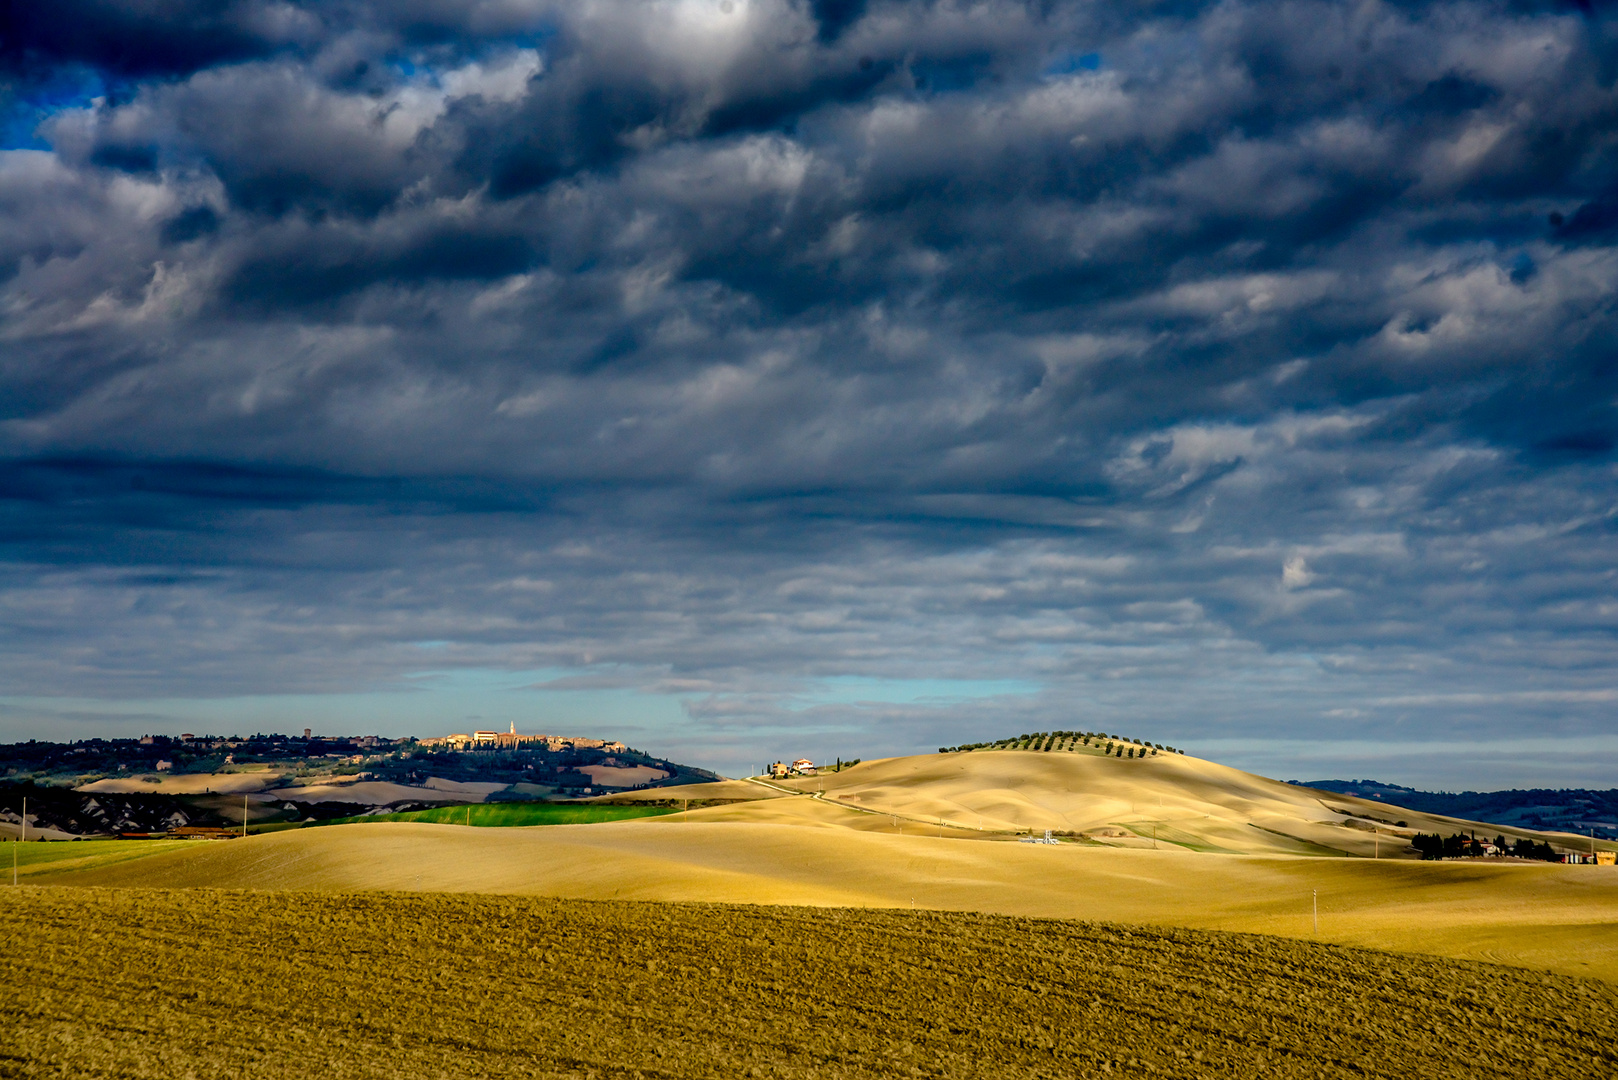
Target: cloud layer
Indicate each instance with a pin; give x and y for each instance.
(1236, 370)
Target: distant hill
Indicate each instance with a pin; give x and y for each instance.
(1080, 788)
(103, 787)
(1575, 810)
(60, 813)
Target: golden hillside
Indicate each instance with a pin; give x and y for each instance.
(1168, 840)
(1170, 800)
(1558, 918)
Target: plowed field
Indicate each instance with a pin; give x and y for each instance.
(153, 983)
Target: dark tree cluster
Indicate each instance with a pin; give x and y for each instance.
(1051, 740)
(1462, 846)
(198, 753)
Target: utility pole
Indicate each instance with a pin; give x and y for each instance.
(1316, 894)
(244, 817)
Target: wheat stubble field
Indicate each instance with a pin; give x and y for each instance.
(216, 983)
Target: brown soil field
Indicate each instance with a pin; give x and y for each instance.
(164, 984)
(262, 781)
(1551, 917)
(623, 775)
(248, 778)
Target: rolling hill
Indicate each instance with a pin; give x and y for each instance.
(1558, 918)
(1170, 800)
(1170, 840)
(1573, 810)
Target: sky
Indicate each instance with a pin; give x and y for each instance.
(754, 378)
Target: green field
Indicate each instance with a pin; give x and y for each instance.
(160, 983)
(512, 815)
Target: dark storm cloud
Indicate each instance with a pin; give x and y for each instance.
(1230, 369)
(140, 37)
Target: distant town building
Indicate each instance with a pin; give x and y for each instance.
(164, 766)
(509, 739)
(781, 770)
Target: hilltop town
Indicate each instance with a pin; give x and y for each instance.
(159, 783)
